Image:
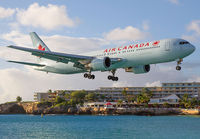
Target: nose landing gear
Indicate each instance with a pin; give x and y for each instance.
(112, 77)
(178, 63)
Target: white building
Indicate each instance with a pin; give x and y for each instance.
(171, 99)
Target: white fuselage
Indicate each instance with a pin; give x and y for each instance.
(133, 55)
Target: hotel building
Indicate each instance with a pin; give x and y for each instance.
(115, 93)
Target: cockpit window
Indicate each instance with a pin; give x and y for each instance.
(183, 42)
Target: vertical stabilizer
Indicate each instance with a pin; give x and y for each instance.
(38, 43)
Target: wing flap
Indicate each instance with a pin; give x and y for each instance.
(27, 63)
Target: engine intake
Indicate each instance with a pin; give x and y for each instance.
(100, 64)
(138, 69)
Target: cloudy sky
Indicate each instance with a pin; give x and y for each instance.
(76, 26)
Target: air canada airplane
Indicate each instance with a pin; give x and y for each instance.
(134, 58)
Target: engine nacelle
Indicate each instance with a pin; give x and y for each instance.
(100, 64)
(138, 69)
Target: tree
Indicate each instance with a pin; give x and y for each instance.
(186, 102)
(91, 97)
(59, 100)
(144, 96)
(78, 96)
(67, 96)
(166, 105)
(19, 99)
(124, 93)
(102, 97)
(119, 102)
(49, 91)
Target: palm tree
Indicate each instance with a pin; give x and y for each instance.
(185, 101)
(144, 96)
(124, 93)
(119, 102)
(19, 99)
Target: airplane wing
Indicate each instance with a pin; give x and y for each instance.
(78, 60)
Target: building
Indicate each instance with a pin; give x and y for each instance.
(171, 99)
(41, 96)
(115, 93)
(100, 104)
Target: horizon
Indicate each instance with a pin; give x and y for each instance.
(68, 27)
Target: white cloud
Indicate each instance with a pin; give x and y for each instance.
(193, 27)
(48, 17)
(153, 84)
(57, 43)
(74, 44)
(25, 82)
(128, 33)
(121, 84)
(4, 13)
(17, 38)
(174, 1)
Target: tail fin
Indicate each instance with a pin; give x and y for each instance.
(38, 43)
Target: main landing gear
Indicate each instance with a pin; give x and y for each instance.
(89, 76)
(178, 63)
(112, 77)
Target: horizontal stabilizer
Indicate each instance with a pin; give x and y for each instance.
(26, 63)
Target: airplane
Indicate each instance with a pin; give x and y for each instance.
(134, 58)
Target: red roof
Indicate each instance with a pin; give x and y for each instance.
(108, 103)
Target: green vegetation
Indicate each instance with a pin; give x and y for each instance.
(119, 103)
(144, 96)
(166, 105)
(128, 97)
(59, 100)
(76, 97)
(187, 102)
(91, 97)
(79, 97)
(18, 99)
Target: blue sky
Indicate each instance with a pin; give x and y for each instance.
(75, 26)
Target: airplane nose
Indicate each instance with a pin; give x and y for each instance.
(192, 48)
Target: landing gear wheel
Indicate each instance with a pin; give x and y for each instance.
(110, 77)
(178, 67)
(115, 78)
(89, 76)
(85, 75)
(92, 77)
(178, 63)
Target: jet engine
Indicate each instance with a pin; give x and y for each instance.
(100, 64)
(138, 69)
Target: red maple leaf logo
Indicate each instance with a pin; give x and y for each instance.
(41, 48)
(156, 43)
